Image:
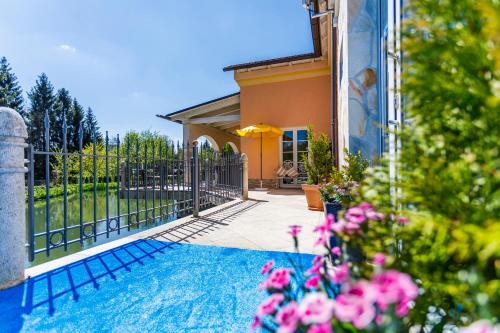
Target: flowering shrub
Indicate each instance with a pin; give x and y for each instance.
(343, 184)
(339, 193)
(337, 293)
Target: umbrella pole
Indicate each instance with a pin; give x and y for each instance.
(261, 159)
(261, 188)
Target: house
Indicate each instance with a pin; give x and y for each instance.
(348, 101)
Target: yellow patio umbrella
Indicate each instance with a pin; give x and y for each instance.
(260, 131)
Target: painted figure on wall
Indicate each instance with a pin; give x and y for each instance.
(364, 117)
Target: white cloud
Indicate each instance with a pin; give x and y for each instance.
(67, 48)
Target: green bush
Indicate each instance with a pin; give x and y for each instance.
(318, 163)
(448, 181)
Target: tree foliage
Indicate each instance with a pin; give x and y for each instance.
(11, 94)
(318, 163)
(90, 127)
(62, 109)
(448, 178)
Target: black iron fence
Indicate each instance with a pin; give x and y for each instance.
(112, 188)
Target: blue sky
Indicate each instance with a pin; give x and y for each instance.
(130, 60)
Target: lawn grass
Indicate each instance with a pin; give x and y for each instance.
(58, 190)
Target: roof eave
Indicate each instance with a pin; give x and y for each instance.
(170, 115)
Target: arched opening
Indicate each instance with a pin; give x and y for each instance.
(230, 148)
(207, 142)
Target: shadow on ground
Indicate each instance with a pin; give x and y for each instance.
(192, 229)
(147, 285)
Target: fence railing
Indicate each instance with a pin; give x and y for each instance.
(121, 187)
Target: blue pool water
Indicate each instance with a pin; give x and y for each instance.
(146, 286)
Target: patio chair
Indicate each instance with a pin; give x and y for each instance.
(287, 170)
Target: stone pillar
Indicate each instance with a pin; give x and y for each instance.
(244, 161)
(13, 136)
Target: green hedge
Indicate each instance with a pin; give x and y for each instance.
(58, 191)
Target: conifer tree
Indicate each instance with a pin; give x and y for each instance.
(41, 99)
(62, 108)
(74, 119)
(90, 126)
(11, 94)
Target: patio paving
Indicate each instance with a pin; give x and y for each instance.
(260, 223)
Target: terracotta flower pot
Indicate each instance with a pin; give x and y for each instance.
(313, 197)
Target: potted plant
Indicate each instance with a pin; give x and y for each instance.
(318, 164)
(340, 191)
(337, 195)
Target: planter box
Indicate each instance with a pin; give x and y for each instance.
(332, 208)
(313, 197)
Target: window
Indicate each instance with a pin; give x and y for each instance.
(294, 148)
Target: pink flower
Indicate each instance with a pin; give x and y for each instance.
(374, 215)
(351, 227)
(481, 326)
(336, 251)
(327, 224)
(324, 230)
(355, 304)
(329, 221)
(287, 318)
(322, 328)
(317, 265)
(340, 274)
(379, 259)
(394, 287)
(267, 267)
(316, 308)
(323, 238)
(355, 215)
(364, 316)
(403, 220)
(295, 230)
(318, 260)
(270, 304)
(365, 206)
(338, 227)
(255, 323)
(361, 289)
(313, 281)
(278, 278)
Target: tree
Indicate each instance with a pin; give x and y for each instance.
(227, 149)
(90, 127)
(62, 108)
(11, 94)
(448, 176)
(318, 163)
(42, 99)
(75, 120)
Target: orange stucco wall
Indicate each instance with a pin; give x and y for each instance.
(284, 104)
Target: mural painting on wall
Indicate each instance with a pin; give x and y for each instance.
(364, 129)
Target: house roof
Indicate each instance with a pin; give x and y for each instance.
(270, 61)
(316, 37)
(222, 113)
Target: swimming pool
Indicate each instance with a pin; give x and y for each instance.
(146, 285)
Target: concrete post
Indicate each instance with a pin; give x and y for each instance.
(244, 161)
(13, 136)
